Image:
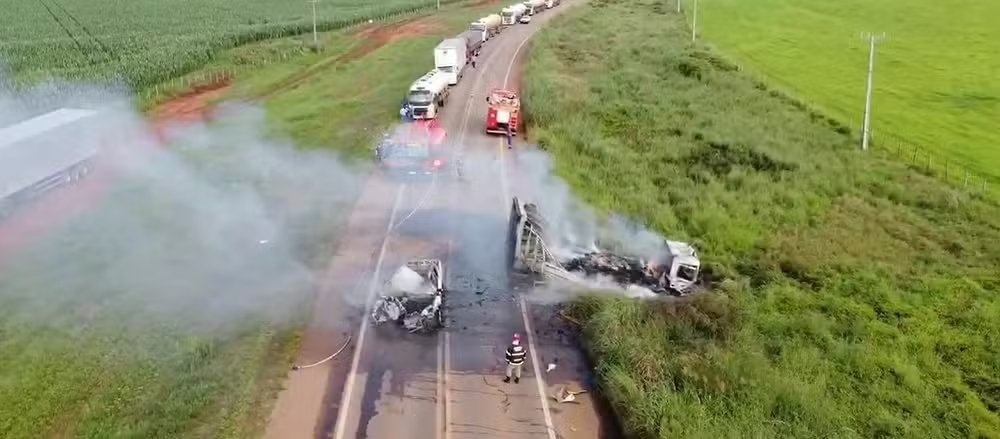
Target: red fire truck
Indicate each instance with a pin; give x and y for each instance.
(504, 112)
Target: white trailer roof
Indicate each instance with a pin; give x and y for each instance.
(38, 125)
(40, 147)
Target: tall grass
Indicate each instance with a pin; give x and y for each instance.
(851, 296)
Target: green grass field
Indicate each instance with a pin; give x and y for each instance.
(851, 296)
(936, 81)
(148, 42)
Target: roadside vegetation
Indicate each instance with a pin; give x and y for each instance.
(851, 296)
(147, 42)
(935, 79)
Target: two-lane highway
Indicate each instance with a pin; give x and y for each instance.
(449, 384)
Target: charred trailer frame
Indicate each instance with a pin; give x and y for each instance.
(674, 270)
(526, 247)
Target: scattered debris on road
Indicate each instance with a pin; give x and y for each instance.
(564, 395)
(414, 297)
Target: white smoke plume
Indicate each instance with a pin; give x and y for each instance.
(222, 225)
(574, 225)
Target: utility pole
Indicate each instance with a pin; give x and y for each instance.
(866, 131)
(678, 6)
(694, 22)
(439, 5)
(315, 37)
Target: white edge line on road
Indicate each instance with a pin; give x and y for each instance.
(539, 379)
(447, 389)
(345, 398)
(439, 416)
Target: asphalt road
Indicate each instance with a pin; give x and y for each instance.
(448, 384)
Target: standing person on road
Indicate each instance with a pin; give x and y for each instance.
(510, 137)
(474, 60)
(515, 359)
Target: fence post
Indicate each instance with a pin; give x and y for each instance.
(914, 159)
(928, 163)
(945, 170)
(966, 184)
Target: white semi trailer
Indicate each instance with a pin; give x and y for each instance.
(450, 57)
(489, 26)
(45, 152)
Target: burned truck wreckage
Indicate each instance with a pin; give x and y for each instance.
(413, 297)
(672, 270)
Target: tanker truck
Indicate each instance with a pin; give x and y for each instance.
(510, 15)
(428, 94)
(533, 7)
(489, 26)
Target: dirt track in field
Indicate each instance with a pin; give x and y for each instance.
(371, 37)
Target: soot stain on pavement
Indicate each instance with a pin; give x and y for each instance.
(372, 393)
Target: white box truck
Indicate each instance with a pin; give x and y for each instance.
(450, 57)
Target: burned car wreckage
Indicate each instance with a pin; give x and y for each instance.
(413, 297)
(672, 270)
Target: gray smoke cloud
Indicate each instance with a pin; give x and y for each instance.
(221, 226)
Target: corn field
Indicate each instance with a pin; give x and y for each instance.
(147, 42)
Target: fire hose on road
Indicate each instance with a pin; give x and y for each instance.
(332, 356)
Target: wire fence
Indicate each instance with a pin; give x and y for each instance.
(927, 162)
